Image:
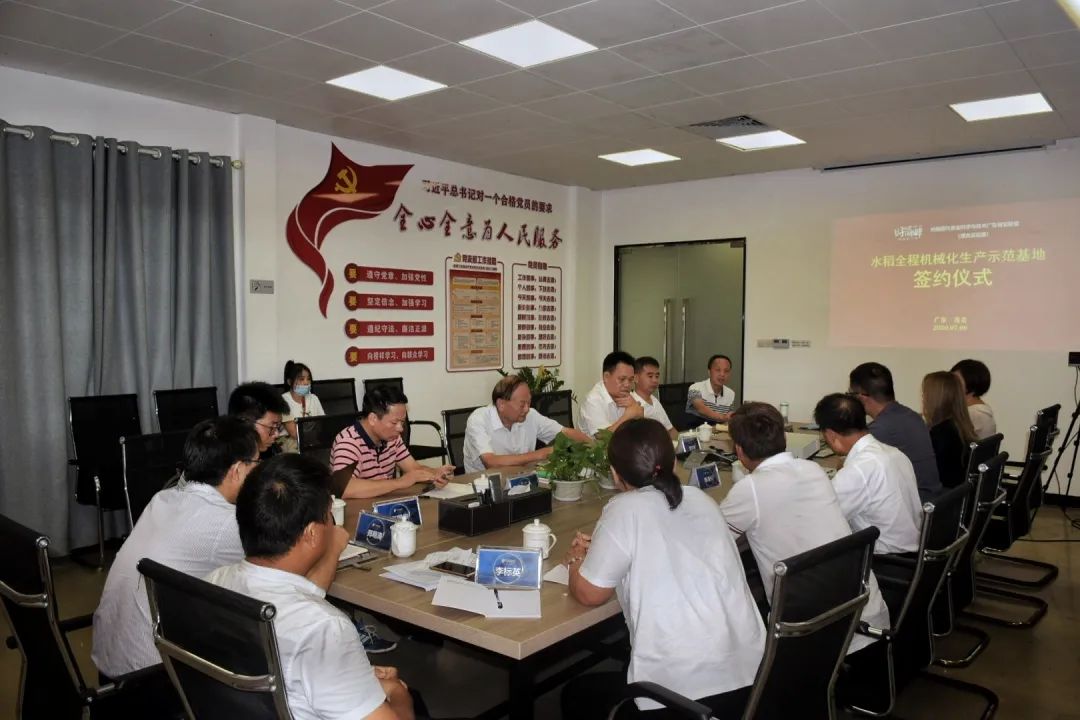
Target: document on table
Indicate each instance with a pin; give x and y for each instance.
(352, 552)
(416, 573)
(559, 574)
(449, 491)
(465, 595)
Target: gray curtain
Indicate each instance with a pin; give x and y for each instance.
(116, 264)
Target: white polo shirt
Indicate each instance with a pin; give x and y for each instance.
(877, 487)
(485, 433)
(694, 627)
(786, 507)
(654, 410)
(327, 674)
(721, 402)
(599, 410)
(191, 528)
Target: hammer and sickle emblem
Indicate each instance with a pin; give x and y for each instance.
(347, 176)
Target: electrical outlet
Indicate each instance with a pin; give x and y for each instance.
(781, 343)
(262, 287)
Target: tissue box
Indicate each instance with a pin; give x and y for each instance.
(455, 515)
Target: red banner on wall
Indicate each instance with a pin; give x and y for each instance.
(378, 328)
(380, 301)
(364, 273)
(362, 356)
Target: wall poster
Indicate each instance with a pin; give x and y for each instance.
(536, 314)
(474, 313)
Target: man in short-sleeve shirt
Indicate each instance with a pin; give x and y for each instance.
(711, 400)
(504, 433)
(609, 404)
(646, 381)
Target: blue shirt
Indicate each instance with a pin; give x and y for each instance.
(904, 429)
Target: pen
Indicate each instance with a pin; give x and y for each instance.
(497, 600)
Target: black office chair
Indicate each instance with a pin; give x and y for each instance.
(673, 397)
(51, 685)
(150, 463)
(315, 435)
(97, 423)
(337, 396)
(557, 405)
(419, 452)
(185, 408)
(817, 600)
(455, 422)
(233, 672)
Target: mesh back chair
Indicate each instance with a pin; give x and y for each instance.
(184, 409)
(150, 463)
(673, 398)
(419, 452)
(557, 405)
(817, 600)
(97, 423)
(455, 421)
(337, 396)
(315, 435)
(233, 672)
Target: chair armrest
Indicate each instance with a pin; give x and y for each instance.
(76, 623)
(668, 698)
(428, 423)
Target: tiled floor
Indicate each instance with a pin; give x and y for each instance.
(1035, 672)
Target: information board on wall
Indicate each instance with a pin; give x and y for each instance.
(474, 313)
(536, 314)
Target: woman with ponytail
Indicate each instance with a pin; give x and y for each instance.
(666, 551)
(301, 402)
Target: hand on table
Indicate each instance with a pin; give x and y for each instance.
(579, 548)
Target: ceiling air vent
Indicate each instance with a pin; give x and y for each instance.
(727, 127)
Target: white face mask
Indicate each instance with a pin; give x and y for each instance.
(302, 389)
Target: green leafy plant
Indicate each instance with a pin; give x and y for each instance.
(569, 459)
(540, 380)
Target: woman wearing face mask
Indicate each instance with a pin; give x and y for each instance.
(299, 399)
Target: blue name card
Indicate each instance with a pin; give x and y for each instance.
(688, 443)
(508, 568)
(400, 507)
(373, 531)
(705, 476)
(531, 481)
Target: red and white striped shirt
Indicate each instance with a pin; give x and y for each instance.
(373, 462)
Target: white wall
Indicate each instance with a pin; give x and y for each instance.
(786, 218)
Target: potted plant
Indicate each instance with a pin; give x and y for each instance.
(539, 381)
(572, 465)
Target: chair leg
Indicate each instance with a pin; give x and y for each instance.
(78, 557)
(985, 693)
(1038, 605)
(1050, 571)
(982, 639)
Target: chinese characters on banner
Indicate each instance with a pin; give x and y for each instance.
(480, 195)
(947, 274)
(466, 228)
(474, 307)
(381, 327)
(536, 314)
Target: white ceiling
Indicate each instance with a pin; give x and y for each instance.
(858, 80)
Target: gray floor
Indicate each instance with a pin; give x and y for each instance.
(1035, 672)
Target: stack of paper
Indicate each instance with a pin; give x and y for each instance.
(449, 491)
(559, 574)
(465, 595)
(414, 573)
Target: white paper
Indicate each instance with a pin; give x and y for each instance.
(414, 573)
(352, 551)
(559, 574)
(449, 491)
(465, 595)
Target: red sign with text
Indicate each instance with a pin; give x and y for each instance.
(378, 328)
(380, 301)
(364, 273)
(362, 356)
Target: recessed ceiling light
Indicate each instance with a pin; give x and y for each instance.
(645, 156)
(761, 140)
(1002, 107)
(529, 43)
(1072, 9)
(386, 83)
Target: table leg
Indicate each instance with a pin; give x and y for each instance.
(521, 700)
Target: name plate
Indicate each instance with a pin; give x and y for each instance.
(509, 568)
(401, 507)
(373, 531)
(705, 476)
(688, 443)
(531, 481)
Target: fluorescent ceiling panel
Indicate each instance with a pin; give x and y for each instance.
(386, 83)
(645, 156)
(528, 44)
(761, 140)
(1002, 107)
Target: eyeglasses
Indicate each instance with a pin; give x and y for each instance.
(256, 461)
(275, 428)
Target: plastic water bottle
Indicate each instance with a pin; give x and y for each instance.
(784, 410)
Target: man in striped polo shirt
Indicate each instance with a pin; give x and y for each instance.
(374, 443)
(710, 400)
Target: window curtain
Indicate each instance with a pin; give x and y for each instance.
(116, 276)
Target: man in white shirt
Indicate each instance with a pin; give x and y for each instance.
(646, 380)
(609, 404)
(190, 527)
(504, 433)
(292, 546)
(262, 406)
(711, 400)
(876, 487)
(785, 506)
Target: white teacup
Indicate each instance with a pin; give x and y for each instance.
(403, 537)
(539, 537)
(704, 433)
(337, 507)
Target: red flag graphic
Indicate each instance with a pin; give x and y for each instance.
(348, 192)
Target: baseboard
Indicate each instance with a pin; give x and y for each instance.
(1069, 501)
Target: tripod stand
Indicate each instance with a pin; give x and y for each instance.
(1075, 439)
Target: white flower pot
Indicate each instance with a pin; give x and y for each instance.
(606, 482)
(567, 490)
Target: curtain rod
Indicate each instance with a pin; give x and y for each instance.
(155, 153)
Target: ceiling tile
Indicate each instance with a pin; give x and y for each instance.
(37, 58)
(800, 115)
(1058, 76)
(373, 37)
(454, 21)
(541, 7)
(451, 64)
(730, 75)
(645, 92)
(192, 92)
(211, 32)
(59, 31)
(780, 27)
(862, 80)
(428, 108)
(625, 122)
(612, 22)
(840, 53)
(288, 16)
(158, 55)
(331, 99)
(353, 128)
(595, 69)
(767, 97)
(984, 60)
(949, 32)
(679, 50)
(490, 123)
(253, 79)
(1055, 49)
(307, 59)
(575, 107)
(517, 87)
(706, 11)
(116, 75)
(688, 112)
(664, 139)
(869, 14)
(940, 94)
(1025, 18)
(126, 14)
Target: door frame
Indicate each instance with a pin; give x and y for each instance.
(734, 242)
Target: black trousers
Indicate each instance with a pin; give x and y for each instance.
(592, 695)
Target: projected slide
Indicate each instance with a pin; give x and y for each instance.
(987, 277)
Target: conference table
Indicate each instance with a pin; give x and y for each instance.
(523, 646)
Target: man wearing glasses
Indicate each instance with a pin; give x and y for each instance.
(262, 406)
